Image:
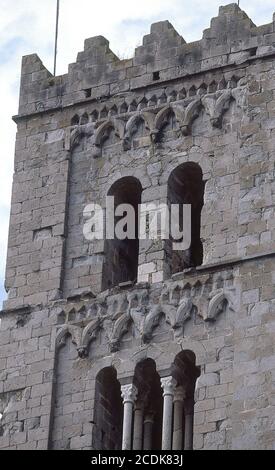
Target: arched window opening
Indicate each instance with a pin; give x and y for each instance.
(108, 414)
(186, 186)
(185, 373)
(148, 407)
(159, 407)
(121, 256)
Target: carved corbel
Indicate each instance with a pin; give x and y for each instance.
(119, 126)
(88, 335)
(183, 313)
(161, 120)
(151, 322)
(130, 129)
(132, 126)
(177, 316)
(240, 96)
(118, 329)
(102, 132)
(216, 105)
(217, 304)
(191, 113)
(149, 119)
(64, 332)
(138, 316)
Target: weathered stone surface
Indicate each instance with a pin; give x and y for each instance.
(210, 103)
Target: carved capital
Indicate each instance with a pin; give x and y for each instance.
(129, 393)
(168, 384)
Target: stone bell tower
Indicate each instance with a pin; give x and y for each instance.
(128, 344)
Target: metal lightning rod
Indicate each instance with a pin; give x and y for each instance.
(56, 36)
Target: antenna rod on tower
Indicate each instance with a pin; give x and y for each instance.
(56, 37)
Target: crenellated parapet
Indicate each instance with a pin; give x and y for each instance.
(164, 56)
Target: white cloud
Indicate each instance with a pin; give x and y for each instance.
(27, 26)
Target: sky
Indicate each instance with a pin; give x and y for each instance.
(27, 26)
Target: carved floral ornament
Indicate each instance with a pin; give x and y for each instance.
(141, 320)
(154, 119)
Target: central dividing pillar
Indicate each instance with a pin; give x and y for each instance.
(148, 431)
(178, 419)
(138, 425)
(129, 395)
(168, 385)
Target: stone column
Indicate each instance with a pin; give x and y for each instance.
(138, 425)
(168, 385)
(129, 395)
(178, 419)
(189, 423)
(148, 431)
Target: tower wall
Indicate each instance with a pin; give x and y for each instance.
(209, 103)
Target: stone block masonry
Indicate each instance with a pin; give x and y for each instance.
(114, 344)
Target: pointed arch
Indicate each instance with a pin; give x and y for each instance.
(181, 94)
(75, 120)
(123, 108)
(94, 115)
(103, 113)
(84, 119)
(192, 91)
(212, 88)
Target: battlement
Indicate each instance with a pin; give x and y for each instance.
(164, 55)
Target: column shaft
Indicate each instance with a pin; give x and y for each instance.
(178, 419)
(148, 432)
(129, 394)
(138, 427)
(168, 384)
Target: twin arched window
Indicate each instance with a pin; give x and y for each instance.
(150, 429)
(185, 186)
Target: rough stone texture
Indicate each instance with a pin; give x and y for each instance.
(210, 102)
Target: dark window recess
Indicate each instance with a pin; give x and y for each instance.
(253, 51)
(156, 76)
(121, 256)
(88, 93)
(108, 411)
(186, 186)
